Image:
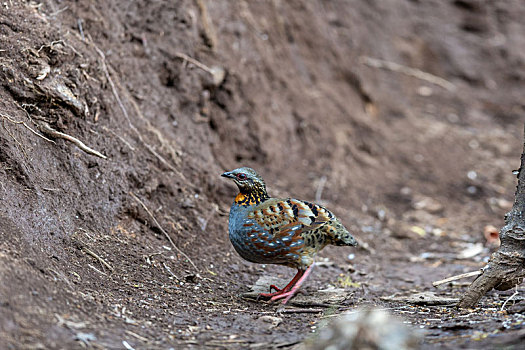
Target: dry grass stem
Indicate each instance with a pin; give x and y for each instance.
(102, 261)
(126, 115)
(164, 231)
(94, 268)
(170, 272)
(119, 137)
(413, 72)
(300, 311)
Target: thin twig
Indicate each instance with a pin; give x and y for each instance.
(114, 89)
(413, 72)
(355, 312)
(102, 261)
(58, 11)
(46, 129)
(22, 149)
(161, 158)
(194, 62)
(163, 231)
(457, 277)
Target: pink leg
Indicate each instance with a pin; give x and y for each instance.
(285, 289)
(289, 294)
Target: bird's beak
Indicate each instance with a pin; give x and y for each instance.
(228, 174)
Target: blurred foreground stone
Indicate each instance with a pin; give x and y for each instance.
(364, 329)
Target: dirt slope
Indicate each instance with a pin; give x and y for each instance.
(315, 95)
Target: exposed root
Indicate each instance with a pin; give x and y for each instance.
(139, 113)
(46, 129)
(11, 120)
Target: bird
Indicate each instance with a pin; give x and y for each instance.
(283, 231)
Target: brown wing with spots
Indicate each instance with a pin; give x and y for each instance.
(279, 215)
(317, 224)
(291, 232)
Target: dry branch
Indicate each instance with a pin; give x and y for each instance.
(457, 277)
(506, 267)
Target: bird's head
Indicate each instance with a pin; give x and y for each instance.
(247, 180)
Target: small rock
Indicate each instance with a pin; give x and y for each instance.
(270, 322)
(425, 91)
(427, 204)
(218, 74)
(471, 251)
(403, 230)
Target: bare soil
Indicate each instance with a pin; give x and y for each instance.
(415, 165)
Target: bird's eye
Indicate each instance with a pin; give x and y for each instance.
(241, 176)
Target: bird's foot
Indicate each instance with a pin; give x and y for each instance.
(277, 292)
(271, 295)
(287, 295)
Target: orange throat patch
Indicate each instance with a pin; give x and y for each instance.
(240, 198)
(247, 199)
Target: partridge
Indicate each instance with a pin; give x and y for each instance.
(286, 231)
